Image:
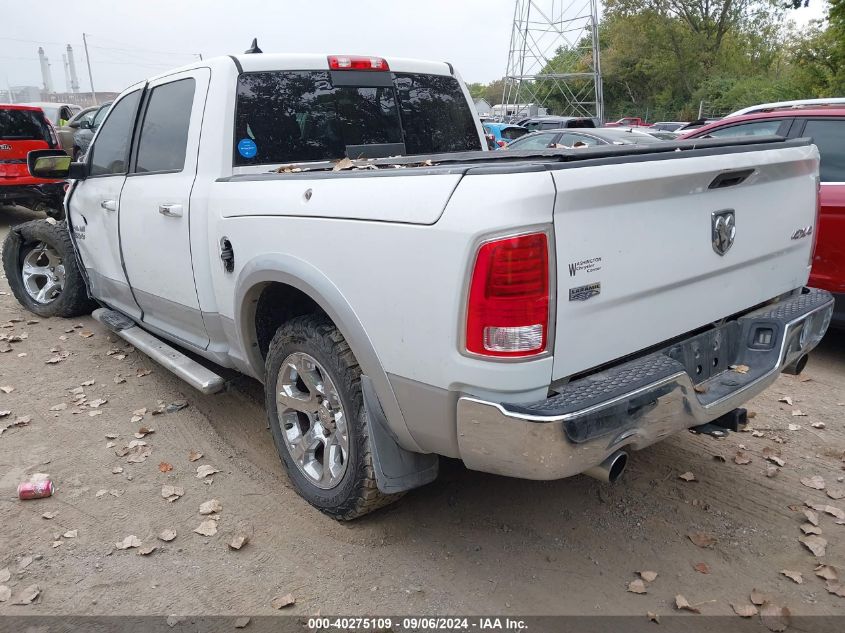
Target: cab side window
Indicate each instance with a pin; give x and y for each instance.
(164, 132)
(110, 153)
(99, 115)
(569, 140)
(757, 128)
(538, 141)
(829, 137)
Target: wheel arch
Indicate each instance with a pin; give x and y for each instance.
(304, 279)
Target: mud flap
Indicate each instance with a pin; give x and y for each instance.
(12, 245)
(396, 469)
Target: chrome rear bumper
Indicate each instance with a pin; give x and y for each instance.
(643, 401)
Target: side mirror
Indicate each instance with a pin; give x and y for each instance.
(85, 124)
(48, 163)
(54, 164)
(74, 124)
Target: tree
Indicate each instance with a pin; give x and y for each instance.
(665, 58)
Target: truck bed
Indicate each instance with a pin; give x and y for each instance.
(462, 162)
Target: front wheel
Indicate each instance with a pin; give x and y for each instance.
(316, 411)
(41, 268)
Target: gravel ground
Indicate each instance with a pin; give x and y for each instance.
(469, 543)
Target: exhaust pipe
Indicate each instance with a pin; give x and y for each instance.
(798, 366)
(610, 469)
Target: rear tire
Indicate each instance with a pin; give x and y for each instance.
(318, 422)
(42, 272)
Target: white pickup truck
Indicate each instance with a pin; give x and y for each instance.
(534, 314)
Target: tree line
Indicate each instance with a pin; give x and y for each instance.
(667, 58)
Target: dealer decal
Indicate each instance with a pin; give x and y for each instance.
(591, 265)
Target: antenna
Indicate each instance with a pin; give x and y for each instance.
(254, 48)
(553, 61)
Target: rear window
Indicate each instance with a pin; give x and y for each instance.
(300, 116)
(576, 123)
(23, 125)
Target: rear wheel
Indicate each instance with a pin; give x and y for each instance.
(316, 412)
(41, 268)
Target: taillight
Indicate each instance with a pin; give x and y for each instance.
(815, 236)
(355, 62)
(54, 139)
(508, 307)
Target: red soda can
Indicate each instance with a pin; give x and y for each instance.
(35, 489)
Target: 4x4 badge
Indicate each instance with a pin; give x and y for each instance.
(723, 230)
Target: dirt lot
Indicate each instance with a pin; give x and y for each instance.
(469, 543)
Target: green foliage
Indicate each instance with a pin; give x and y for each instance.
(666, 58)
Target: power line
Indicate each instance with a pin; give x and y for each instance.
(100, 61)
(108, 48)
(139, 50)
(17, 39)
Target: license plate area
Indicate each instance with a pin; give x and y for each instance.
(707, 354)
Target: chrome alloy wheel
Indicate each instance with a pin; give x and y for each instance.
(43, 274)
(312, 419)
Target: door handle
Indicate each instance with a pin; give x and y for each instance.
(109, 205)
(171, 210)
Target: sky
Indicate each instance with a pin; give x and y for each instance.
(129, 40)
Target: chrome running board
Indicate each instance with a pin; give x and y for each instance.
(189, 370)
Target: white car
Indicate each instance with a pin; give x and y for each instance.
(332, 226)
(795, 104)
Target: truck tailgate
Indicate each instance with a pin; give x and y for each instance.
(637, 262)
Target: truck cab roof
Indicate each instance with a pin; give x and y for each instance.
(310, 61)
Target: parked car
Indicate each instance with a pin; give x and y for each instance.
(588, 301)
(556, 122)
(826, 126)
(667, 126)
(66, 132)
(628, 121)
(581, 138)
(22, 130)
(88, 126)
(663, 135)
(694, 125)
(801, 104)
(504, 133)
(57, 113)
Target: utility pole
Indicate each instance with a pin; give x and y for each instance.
(90, 75)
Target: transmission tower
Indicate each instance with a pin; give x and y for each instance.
(553, 60)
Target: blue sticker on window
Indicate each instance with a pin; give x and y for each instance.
(247, 148)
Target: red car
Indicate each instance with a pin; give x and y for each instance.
(23, 129)
(826, 126)
(628, 121)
